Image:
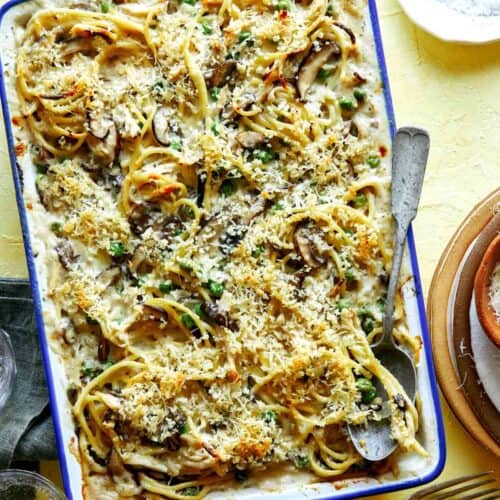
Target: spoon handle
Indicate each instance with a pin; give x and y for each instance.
(410, 151)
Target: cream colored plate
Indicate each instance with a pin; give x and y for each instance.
(450, 25)
(437, 311)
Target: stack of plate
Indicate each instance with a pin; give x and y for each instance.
(467, 361)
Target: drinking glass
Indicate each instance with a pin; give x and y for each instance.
(25, 485)
(7, 368)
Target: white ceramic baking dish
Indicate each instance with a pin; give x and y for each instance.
(413, 470)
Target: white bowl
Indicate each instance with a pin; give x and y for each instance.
(450, 25)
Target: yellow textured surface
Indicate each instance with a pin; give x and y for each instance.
(450, 90)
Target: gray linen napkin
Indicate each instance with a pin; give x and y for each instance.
(26, 431)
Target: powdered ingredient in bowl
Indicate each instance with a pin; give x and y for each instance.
(474, 7)
(495, 292)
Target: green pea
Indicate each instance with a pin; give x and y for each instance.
(158, 86)
(56, 228)
(105, 6)
(367, 324)
(257, 251)
(381, 305)
(269, 416)
(367, 389)
(323, 74)
(302, 461)
(185, 266)
(188, 321)
(176, 145)
(360, 95)
(369, 396)
(214, 93)
(198, 310)
(216, 289)
(343, 304)
(360, 201)
(363, 311)
(245, 35)
(206, 28)
(373, 161)
(189, 2)
(350, 276)
(264, 155)
(166, 287)
(227, 188)
(116, 249)
(190, 491)
(283, 5)
(346, 104)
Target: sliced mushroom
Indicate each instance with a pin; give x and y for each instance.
(142, 217)
(76, 46)
(349, 31)
(230, 239)
(124, 480)
(151, 313)
(109, 276)
(220, 73)
(161, 126)
(244, 102)
(173, 442)
(149, 321)
(87, 31)
(62, 95)
(165, 127)
(140, 262)
(68, 329)
(103, 140)
(218, 316)
(200, 189)
(316, 59)
(357, 79)
(100, 126)
(112, 402)
(250, 140)
(102, 349)
(306, 248)
(47, 197)
(66, 254)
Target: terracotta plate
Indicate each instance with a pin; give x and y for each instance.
(482, 282)
(447, 366)
(478, 399)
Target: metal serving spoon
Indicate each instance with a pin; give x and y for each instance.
(410, 147)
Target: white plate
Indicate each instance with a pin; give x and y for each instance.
(451, 25)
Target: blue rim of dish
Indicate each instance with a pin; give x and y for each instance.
(30, 260)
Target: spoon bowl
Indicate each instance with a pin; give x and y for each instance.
(400, 364)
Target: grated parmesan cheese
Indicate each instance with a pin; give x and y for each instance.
(495, 291)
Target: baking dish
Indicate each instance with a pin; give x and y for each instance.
(413, 470)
